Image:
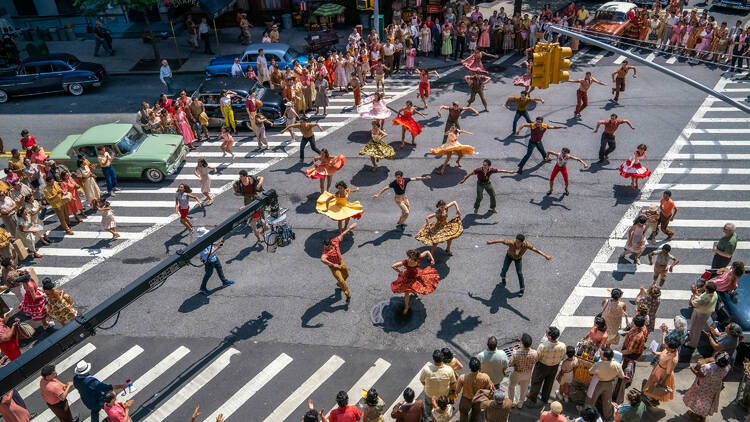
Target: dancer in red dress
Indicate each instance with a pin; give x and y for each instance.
(404, 119)
(473, 63)
(324, 166)
(632, 169)
(414, 280)
(424, 84)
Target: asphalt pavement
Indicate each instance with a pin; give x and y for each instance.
(286, 302)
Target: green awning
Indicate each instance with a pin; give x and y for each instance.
(329, 9)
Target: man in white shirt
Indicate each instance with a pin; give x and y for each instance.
(204, 34)
(237, 71)
(494, 362)
(165, 75)
(261, 66)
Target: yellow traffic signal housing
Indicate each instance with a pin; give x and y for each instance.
(540, 71)
(560, 63)
(364, 5)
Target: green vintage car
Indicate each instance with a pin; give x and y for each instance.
(137, 155)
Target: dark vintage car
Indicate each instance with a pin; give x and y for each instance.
(743, 5)
(736, 307)
(53, 73)
(210, 90)
(321, 41)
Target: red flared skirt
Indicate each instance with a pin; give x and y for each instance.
(408, 122)
(422, 281)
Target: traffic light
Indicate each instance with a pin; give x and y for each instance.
(560, 63)
(540, 72)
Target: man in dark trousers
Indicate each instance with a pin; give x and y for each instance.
(477, 82)
(485, 184)
(92, 390)
(516, 249)
(535, 141)
(454, 113)
(211, 262)
(608, 137)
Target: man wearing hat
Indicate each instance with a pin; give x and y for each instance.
(499, 408)
(724, 248)
(92, 390)
(274, 34)
(211, 262)
(554, 414)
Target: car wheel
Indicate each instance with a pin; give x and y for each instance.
(3, 97)
(154, 175)
(75, 89)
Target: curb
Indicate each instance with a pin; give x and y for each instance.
(149, 72)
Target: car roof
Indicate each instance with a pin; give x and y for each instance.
(215, 85)
(50, 57)
(102, 134)
(618, 6)
(273, 46)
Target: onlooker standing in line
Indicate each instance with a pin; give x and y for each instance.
(493, 362)
(703, 306)
(438, 379)
(205, 35)
(724, 248)
(499, 409)
(522, 360)
(344, 413)
(631, 411)
(551, 353)
(165, 75)
(469, 384)
(92, 390)
(408, 410)
(192, 30)
(55, 393)
(53, 194)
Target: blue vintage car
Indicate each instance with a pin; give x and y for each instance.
(282, 53)
(53, 73)
(732, 4)
(736, 308)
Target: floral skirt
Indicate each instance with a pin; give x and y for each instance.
(378, 149)
(433, 233)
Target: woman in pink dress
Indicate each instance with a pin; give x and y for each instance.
(484, 38)
(473, 63)
(414, 280)
(374, 108)
(677, 32)
(183, 126)
(525, 79)
(34, 301)
(702, 399)
(341, 78)
(707, 37)
(636, 242)
(324, 167)
(75, 206)
(632, 169)
(411, 52)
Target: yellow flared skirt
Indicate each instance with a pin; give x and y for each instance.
(456, 149)
(340, 209)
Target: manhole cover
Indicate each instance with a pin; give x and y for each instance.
(388, 315)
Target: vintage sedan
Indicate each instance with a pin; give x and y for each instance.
(743, 5)
(137, 155)
(282, 53)
(47, 74)
(209, 93)
(611, 20)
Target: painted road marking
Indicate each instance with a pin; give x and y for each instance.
(367, 380)
(415, 385)
(61, 367)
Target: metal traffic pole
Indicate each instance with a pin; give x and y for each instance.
(652, 65)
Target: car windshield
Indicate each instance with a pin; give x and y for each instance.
(611, 16)
(73, 62)
(130, 141)
(259, 90)
(291, 54)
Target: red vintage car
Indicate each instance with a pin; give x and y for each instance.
(611, 20)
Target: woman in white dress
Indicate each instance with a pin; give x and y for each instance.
(202, 173)
(87, 181)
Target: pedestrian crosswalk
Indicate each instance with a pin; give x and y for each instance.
(142, 208)
(708, 178)
(244, 382)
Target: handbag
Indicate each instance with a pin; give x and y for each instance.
(67, 196)
(658, 390)
(25, 331)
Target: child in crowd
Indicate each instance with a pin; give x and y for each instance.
(566, 373)
(661, 264)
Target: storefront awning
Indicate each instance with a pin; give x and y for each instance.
(216, 8)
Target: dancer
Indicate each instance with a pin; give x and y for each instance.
(516, 248)
(618, 77)
(399, 195)
(306, 128)
(535, 141)
(374, 108)
(332, 258)
(413, 280)
(108, 217)
(454, 113)
(403, 118)
(608, 136)
(226, 141)
(453, 146)
(561, 166)
(485, 184)
(473, 63)
(376, 148)
(522, 103)
(341, 210)
(636, 242)
(582, 94)
(201, 172)
(378, 69)
(227, 112)
(325, 168)
(260, 132)
(182, 204)
(477, 82)
(525, 79)
(633, 169)
(424, 84)
(442, 230)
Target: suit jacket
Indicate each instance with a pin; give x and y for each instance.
(408, 412)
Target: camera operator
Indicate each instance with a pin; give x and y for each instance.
(211, 262)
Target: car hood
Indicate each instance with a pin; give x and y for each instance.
(606, 27)
(157, 145)
(60, 152)
(226, 59)
(271, 99)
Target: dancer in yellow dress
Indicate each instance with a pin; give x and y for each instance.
(376, 148)
(337, 207)
(442, 230)
(453, 146)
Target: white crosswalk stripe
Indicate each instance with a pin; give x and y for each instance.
(61, 367)
(368, 379)
(689, 184)
(416, 385)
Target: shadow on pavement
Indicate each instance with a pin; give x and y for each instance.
(454, 324)
(359, 136)
(472, 220)
(549, 201)
(193, 303)
(366, 177)
(451, 177)
(393, 234)
(308, 205)
(499, 299)
(388, 315)
(624, 194)
(325, 305)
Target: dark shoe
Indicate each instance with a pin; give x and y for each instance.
(566, 192)
(520, 171)
(502, 281)
(549, 192)
(348, 300)
(206, 292)
(228, 283)
(520, 293)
